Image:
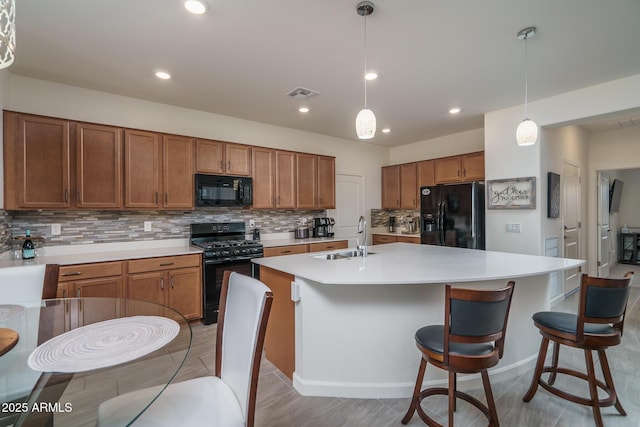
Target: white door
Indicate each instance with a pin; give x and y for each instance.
(349, 206)
(571, 223)
(604, 232)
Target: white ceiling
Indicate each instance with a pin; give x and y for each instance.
(243, 56)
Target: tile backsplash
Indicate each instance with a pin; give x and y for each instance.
(380, 217)
(82, 227)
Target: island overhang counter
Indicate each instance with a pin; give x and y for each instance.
(345, 327)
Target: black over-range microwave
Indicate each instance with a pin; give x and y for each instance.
(219, 190)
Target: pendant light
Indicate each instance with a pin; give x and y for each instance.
(7, 32)
(527, 131)
(365, 120)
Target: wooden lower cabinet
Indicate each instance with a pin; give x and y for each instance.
(304, 248)
(172, 281)
(92, 280)
(381, 239)
(328, 246)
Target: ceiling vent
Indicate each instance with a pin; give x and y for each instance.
(302, 93)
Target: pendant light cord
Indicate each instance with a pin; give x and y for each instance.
(365, 61)
(526, 79)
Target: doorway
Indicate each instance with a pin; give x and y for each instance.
(349, 206)
(604, 228)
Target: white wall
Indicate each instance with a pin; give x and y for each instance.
(52, 99)
(450, 145)
(504, 159)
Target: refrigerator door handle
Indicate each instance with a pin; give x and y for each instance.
(442, 223)
(474, 219)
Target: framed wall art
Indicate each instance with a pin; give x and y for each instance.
(513, 193)
(553, 195)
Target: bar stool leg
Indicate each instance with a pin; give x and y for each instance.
(452, 396)
(542, 354)
(493, 414)
(455, 389)
(415, 400)
(608, 379)
(554, 363)
(593, 388)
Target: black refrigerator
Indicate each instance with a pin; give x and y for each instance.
(453, 215)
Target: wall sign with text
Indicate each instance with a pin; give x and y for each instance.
(514, 193)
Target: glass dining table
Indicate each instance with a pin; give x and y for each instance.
(73, 354)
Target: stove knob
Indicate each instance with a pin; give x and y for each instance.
(224, 253)
(245, 251)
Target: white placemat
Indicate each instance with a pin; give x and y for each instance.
(9, 311)
(103, 344)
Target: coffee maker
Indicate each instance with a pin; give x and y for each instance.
(332, 222)
(321, 227)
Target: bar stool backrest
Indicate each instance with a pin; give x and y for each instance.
(476, 316)
(602, 301)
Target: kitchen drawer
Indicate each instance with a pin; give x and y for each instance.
(163, 263)
(380, 239)
(286, 250)
(88, 271)
(328, 246)
(408, 239)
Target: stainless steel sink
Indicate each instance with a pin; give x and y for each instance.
(341, 255)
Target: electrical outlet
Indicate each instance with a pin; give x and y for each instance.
(55, 229)
(304, 221)
(147, 226)
(252, 223)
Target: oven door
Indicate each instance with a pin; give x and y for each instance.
(213, 273)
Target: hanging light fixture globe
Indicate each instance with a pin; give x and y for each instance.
(366, 124)
(365, 120)
(527, 133)
(527, 130)
(7, 32)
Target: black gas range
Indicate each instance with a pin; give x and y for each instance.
(225, 247)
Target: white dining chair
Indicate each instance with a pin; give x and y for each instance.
(227, 399)
(24, 285)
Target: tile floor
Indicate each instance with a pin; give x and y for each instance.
(279, 405)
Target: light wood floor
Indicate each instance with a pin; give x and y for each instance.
(279, 405)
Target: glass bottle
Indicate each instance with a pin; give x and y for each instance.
(28, 249)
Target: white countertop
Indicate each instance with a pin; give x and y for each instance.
(407, 263)
(101, 252)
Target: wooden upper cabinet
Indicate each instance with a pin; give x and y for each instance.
(326, 182)
(263, 170)
(426, 173)
(177, 172)
(37, 163)
(447, 169)
(409, 186)
(217, 157)
(238, 159)
(142, 169)
(98, 166)
(473, 166)
(210, 156)
(285, 180)
(307, 181)
(391, 187)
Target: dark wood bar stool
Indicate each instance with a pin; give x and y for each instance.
(470, 341)
(597, 326)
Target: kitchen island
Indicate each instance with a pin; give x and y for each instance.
(351, 331)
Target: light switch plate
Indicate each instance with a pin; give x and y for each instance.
(513, 227)
(55, 229)
(147, 226)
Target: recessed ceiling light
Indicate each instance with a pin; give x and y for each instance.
(454, 110)
(386, 130)
(195, 6)
(371, 75)
(163, 75)
(303, 109)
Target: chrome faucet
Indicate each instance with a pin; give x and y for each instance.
(362, 229)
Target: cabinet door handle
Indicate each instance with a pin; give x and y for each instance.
(464, 172)
(286, 252)
(72, 273)
(156, 197)
(64, 293)
(165, 264)
(221, 165)
(166, 197)
(171, 282)
(79, 196)
(78, 293)
(66, 195)
(162, 283)
(229, 166)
